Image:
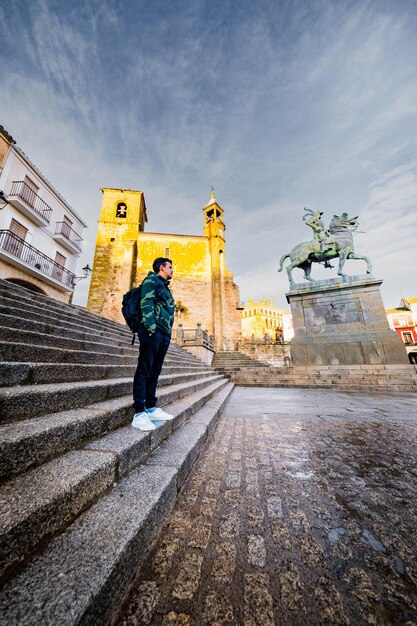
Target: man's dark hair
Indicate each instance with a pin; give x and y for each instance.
(156, 266)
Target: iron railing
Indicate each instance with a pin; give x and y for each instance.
(17, 247)
(31, 198)
(62, 228)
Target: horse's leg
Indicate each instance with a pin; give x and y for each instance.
(307, 271)
(290, 267)
(343, 254)
(359, 257)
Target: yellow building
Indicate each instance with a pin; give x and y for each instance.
(262, 320)
(201, 283)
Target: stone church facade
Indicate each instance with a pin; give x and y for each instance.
(202, 283)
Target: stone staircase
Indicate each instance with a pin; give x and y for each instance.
(230, 363)
(83, 493)
(247, 372)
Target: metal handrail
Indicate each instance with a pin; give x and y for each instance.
(28, 195)
(62, 228)
(17, 247)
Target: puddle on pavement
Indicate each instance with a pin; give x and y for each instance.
(371, 540)
(335, 534)
(300, 474)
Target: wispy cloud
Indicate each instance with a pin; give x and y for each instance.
(279, 105)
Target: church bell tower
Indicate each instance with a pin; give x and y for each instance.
(123, 216)
(214, 228)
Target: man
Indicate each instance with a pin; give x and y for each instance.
(157, 306)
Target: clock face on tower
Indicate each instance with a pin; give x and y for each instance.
(121, 209)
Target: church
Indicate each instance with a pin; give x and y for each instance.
(202, 286)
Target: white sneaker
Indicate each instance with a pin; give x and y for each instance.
(159, 414)
(142, 421)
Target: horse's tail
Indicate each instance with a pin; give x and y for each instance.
(281, 263)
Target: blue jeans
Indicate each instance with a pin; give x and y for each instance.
(152, 353)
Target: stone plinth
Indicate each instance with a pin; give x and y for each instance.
(342, 321)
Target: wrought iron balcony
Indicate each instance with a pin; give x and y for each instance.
(28, 201)
(67, 236)
(17, 248)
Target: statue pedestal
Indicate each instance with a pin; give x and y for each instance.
(342, 321)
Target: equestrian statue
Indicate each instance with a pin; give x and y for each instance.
(327, 244)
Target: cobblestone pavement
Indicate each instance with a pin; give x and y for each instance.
(300, 510)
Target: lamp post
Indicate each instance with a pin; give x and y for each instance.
(86, 273)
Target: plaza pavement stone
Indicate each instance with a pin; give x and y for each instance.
(301, 509)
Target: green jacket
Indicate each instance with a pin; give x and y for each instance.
(157, 304)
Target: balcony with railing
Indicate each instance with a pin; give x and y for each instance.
(24, 198)
(25, 256)
(67, 237)
(194, 337)
(197, 341)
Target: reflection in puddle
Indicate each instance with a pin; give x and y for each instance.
(335, 534)
(371, 540)
(300, 474)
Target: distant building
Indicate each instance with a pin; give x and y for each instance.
(287, 326)
(40, 234)
(201, 283)
(262, 321)
(404, 321)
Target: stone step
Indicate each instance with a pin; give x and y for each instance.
(30, 401)
(31, 310)
(371, 378)
(60, 329)
(299, 381)
(104, 545)
(19, 351)
(68, 343)
(14, 373)
(34, 441)
(22, 352)
(16, 294)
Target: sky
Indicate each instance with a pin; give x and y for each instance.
(279, 104)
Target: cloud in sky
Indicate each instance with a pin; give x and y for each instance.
(279, 105)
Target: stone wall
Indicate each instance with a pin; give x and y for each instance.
(191, 282)
(232, 328)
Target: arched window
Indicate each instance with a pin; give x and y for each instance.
(121, 210)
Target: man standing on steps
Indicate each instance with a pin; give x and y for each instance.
(157, 307)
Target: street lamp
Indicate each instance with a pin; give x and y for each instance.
(86, 273)
(3, 201)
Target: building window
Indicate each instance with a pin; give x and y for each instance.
(407, 338)
(58, 269)
(14, 244)
(29, 182)
(121, 210)
(66, 227)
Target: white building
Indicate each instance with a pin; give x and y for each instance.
(40, 234)
(287, 326)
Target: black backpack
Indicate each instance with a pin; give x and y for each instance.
(131, 309)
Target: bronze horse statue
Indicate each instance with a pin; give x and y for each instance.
(335, 242)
